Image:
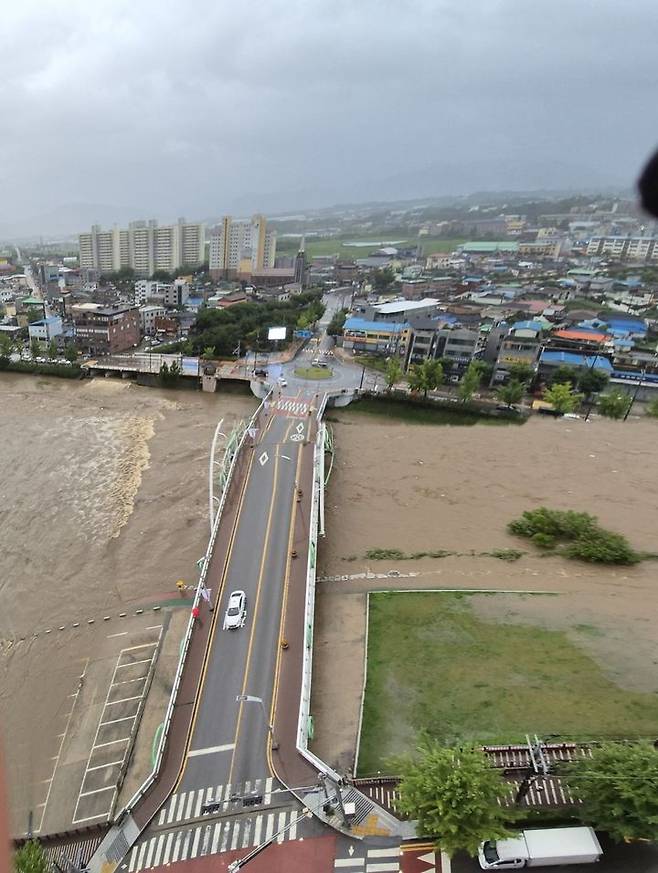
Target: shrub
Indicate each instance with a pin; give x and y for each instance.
(385, 554)
(544, 540)
(583, 538)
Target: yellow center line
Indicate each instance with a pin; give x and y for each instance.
(275, 689)
(266, 540)
(218, 596)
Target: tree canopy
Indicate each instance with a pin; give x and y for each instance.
(454, 795)
(393, 372)
(470, 381)
(614, 404)
(511, 393)
(618, 787)
(425, 376)
(562, 397)
(222, 329)
(592, 381)
(31, 858)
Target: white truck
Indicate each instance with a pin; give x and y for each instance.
(541, 848)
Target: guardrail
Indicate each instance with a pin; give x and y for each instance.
(190, 626)
(303, 721)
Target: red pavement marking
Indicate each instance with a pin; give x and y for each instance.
(420, 859)
(314, 855)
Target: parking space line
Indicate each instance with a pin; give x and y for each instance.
(154, 627)
(132, 663)
(120, 634)
(115, 720)
(96, 791)
(111, 743)
(142, 646)
(126, 681)
(123, 700)
(102, 766)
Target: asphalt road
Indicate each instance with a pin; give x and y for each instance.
(229, 741)
(638, 858)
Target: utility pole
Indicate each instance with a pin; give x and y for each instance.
(636, 392)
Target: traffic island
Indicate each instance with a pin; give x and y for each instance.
(314, 373)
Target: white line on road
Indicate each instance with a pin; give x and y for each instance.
(349, 862)
(257, 830)
(391, 852)
(120, 634)
(114, 721)
(132, 664)
(234, 838)
(167, 851)
(210, 750)
(280, 825)
(269, 829)
(392, 867)
(195, 843)
(123, 700)
(102, 766)
(215, 837)
(96, 791)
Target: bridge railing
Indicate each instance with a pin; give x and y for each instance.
(141, 791)
(304, 720)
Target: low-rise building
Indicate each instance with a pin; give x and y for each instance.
(147, 317)
(46, 329)
(520, 346)
(376, 337)
(105, 330)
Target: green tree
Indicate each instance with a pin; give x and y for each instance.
(618, 788)
(425, 376)
(562, 397)
(71, 353)
(31, 858)
(52, 350)
(563, 374)
(511, 393)
(6, 346)
(454, 795)
(592, 381)
(521, 373)
(208, 353)
(614, 404)
(35, 348)
(393, 372)
(33, 314)
(335, 326)
(470, 381)
(161, 276)
(383, 279)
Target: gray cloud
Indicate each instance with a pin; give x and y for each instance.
(198, 107)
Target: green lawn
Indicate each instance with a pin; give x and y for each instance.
(434, 666)
(416, 413)
(313, 373)
(335, 246)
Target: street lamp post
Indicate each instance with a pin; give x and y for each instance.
(250, 698)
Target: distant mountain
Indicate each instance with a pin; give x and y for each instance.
(68, 219)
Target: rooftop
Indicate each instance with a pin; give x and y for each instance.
(377, 326)
(572, 359)
(591, 336)
(406, 305)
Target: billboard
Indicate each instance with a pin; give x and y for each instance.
(276, 333)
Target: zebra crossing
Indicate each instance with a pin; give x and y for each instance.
(298, 408)
(383, 860)
(213, 838)
(188, 805)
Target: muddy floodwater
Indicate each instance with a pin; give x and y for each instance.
(103, 506)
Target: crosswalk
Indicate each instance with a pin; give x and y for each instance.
(385, 860)
(225, 835)
(186, 805)
(292, 407)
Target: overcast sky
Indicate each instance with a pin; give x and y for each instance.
(198, 107)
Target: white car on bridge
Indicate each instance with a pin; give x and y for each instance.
(236, 611)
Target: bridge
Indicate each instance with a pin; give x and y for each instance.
(233, 771)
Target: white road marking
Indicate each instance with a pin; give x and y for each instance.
(121, 634)
(132, 663)
(234, 838)
(159, 846)
(133, 859)
(186, 845)
(190, 801)
(215, 838)
(281, 824)
(392, 867)
(195, 843)
(257, 830)
(96, 791)
(269, 827)
(115, 720)
(102, 766)
(199, 804)
(210, 750)
(177, 847)
(167, 851)
(123, 700)
(111, 742)
(142, 852)
(392, 851)
(246, 833)
(225, 836)
(268, 791)
(349, 862)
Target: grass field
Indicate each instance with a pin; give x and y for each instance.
(313, 373)
(434, 667)
(334, 246)
(415, 413)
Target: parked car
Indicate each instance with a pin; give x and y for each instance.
(236, 611)
(282, 382)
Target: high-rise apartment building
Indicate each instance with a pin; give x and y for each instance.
(242, 247)
(145, 247)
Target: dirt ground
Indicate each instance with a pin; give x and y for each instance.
(103, 506)
(415, 488)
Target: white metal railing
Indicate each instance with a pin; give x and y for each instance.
(309, 612)
(190, 626)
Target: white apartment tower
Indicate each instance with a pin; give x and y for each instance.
(145, 247)
(241, 247)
